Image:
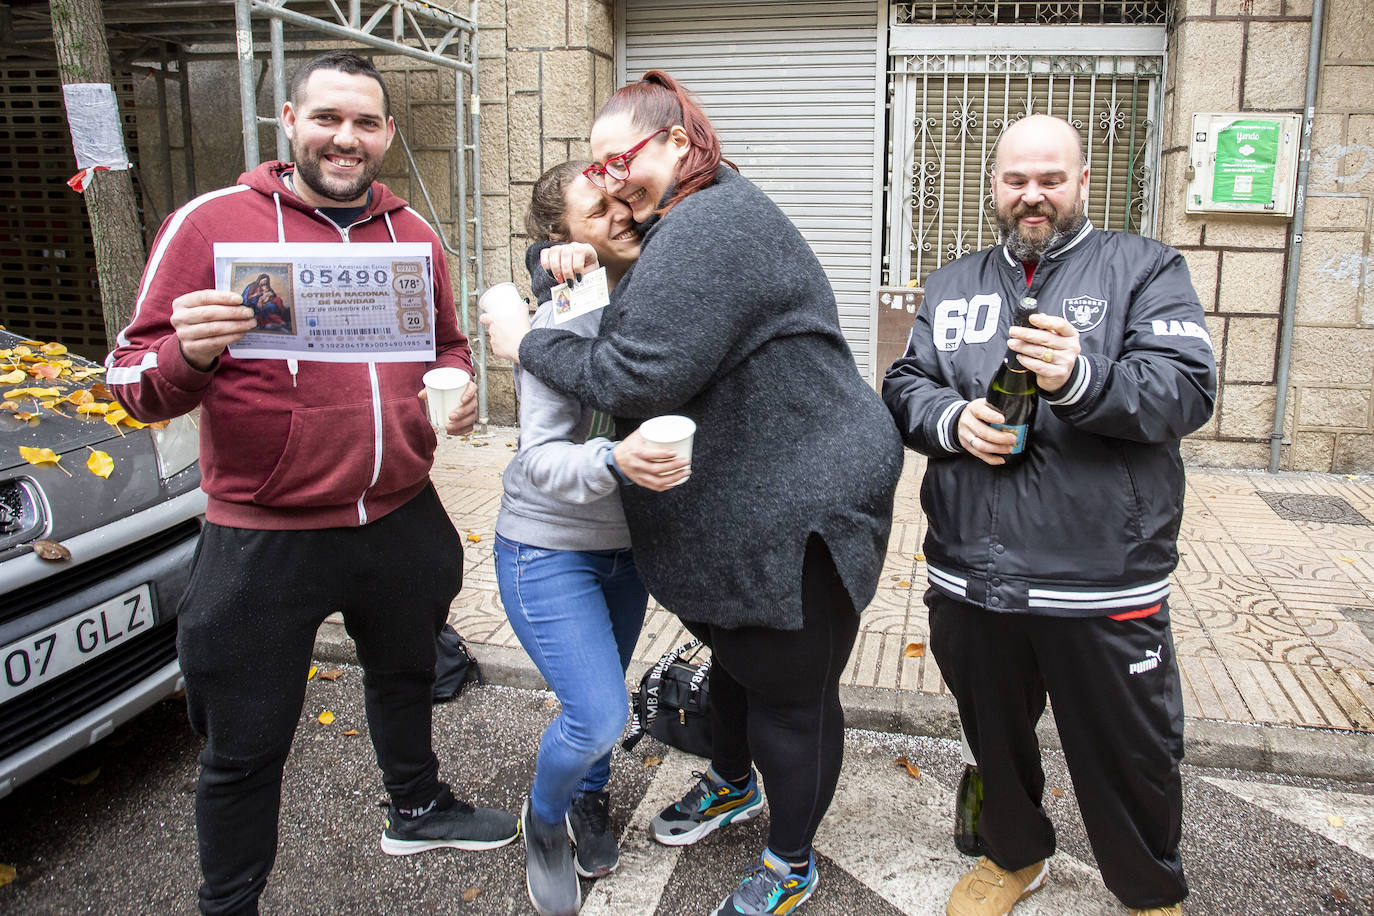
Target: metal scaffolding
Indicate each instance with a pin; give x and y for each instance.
(149, 36)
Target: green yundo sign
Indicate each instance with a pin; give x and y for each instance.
(1247, 161)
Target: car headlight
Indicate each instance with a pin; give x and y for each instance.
(177, 446)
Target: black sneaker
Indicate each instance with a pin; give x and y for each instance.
(449, 823)
(549, 876)
(589, 827)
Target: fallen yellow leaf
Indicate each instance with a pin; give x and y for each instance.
(52, 349)
(33, 393)
(326, 718)
(100, 463)
(79, 397)
(7, 874)
(652, 761)
(919, 557)
(311, 673)
(47, 370)
(910, 767)
(474, 538)
(915, 650)
(13, 378)
(905, 583)
(133, 424)
(42, 456)
(115, 414)
(1346, 559)
(92, 407)
(1335, 820)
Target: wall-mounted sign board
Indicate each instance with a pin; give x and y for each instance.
(1243, 163)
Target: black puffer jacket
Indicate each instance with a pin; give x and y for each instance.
(728, 318)
(1088, 523)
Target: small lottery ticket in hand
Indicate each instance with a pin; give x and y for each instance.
(587, 295)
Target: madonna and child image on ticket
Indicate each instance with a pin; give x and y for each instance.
(361, 302)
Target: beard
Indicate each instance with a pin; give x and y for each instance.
(310, 171)
(1029, 245)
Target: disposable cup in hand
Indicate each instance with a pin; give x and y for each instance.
(443, 392)
(501, 300)
(671, 432)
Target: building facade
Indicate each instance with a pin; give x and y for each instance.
(869, 123)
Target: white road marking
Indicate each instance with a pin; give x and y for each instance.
(1311, 808)
(894, 834)
(645, 866)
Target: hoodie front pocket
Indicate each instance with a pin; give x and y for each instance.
(328, 459)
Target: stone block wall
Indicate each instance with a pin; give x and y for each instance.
(1251, 55)
(546, 66)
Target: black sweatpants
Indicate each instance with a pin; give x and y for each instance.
(246, 630)
(775, 703)
(1118, 706)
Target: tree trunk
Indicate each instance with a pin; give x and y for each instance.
(83, 56)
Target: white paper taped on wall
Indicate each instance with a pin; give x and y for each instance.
(97, 138)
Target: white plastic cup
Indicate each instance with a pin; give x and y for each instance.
(502, 299)
(443, 392)
(671, 432)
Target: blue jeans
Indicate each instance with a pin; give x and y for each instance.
(578, 615)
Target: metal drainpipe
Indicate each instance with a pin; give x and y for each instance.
(1290, 291)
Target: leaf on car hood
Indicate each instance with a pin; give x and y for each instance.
(42, 456)
(100, 463)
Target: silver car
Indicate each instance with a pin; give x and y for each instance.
(88, 638)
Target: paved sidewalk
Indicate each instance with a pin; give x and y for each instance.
(1272, 607)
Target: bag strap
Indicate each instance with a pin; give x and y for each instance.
(644, 701)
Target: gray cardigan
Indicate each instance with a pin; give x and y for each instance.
(558, 491)
(729, 319)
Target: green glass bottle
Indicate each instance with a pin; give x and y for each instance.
(1013, 392)
(967, 808)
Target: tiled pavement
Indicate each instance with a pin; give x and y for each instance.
(1272, 605)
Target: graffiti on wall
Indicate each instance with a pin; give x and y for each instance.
(1357, 159)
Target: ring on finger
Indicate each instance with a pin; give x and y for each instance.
(1048, 355)
(973, 442)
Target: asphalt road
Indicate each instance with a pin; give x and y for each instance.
(123, 841)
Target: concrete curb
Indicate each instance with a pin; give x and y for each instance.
(1208, 743)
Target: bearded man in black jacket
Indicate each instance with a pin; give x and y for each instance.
(1050, 578)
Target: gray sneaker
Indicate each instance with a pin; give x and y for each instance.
(450, 823)
(708, 805)
(549, 876)
(589, 827)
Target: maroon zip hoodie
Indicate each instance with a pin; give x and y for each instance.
(338, 444)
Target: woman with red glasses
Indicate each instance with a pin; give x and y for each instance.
(775, 542)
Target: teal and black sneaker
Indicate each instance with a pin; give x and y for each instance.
(770, 887)
(711, 803)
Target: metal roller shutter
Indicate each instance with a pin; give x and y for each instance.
(795, 91)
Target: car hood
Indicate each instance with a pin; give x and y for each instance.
(61, 434)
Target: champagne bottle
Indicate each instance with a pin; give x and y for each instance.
(1013, 392)
(967, 807)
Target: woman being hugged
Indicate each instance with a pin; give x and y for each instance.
(566, 574)
(775, 542)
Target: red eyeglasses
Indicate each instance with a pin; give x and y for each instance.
(618, 167)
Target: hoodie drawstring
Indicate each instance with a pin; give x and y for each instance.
(293, 366)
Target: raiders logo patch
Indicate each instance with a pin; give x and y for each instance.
(1085, 312)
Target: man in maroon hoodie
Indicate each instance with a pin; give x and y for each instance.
(319, 495)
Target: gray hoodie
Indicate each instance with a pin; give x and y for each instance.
(559, 492)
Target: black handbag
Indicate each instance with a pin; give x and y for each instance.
(673, 702)
(454, 666)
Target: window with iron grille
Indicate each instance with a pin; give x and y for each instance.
(947, 111)
(1008, 12)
